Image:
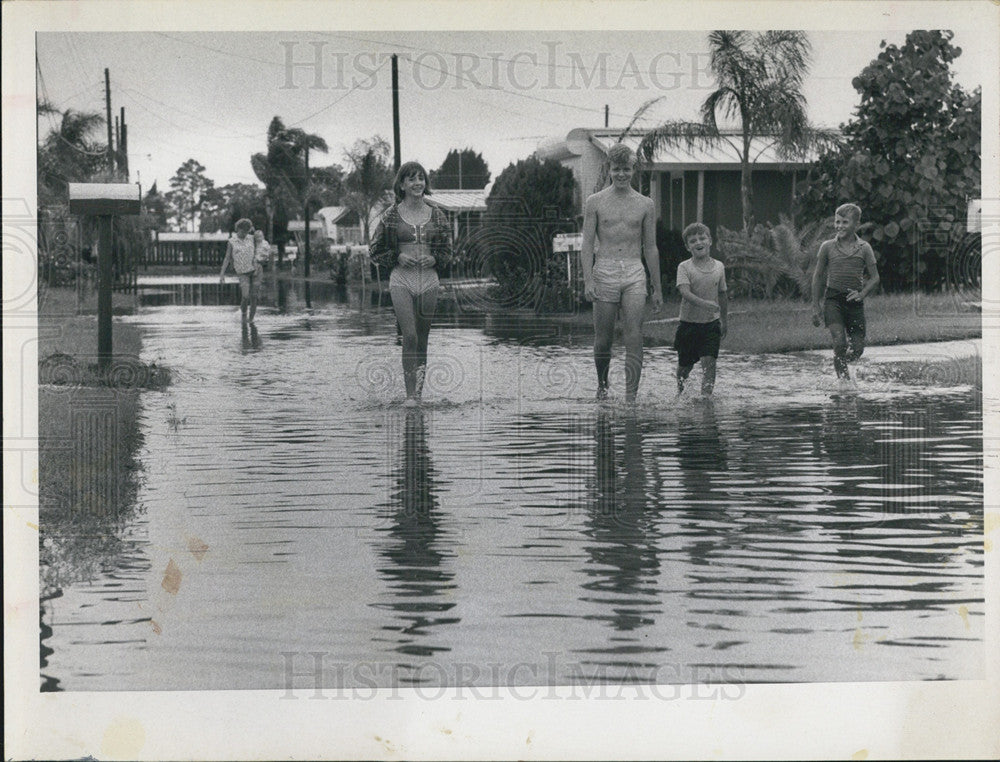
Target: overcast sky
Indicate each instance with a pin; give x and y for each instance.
(210, 96)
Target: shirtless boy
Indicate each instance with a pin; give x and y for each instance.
(622, 221)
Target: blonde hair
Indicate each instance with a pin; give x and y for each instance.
(849, 210)
(619, 154)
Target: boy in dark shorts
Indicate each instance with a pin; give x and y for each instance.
(704, 307)
(839, 288)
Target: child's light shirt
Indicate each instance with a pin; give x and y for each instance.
(263, 250)
(705, 284)
(244, 260)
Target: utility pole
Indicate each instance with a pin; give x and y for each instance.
(395, 112)
(107, 108)
(124, 153)
(123, 149)
(305, 268)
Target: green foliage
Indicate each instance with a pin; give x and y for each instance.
(222, 207)
(326, 186)
(772, 261)
(189, 186)
(670, 245)
(465, 169)
(68, 153)
(759, 87)
(531, 201)
(911, 159)
(369, 181)
(283, 171)
(155, 206)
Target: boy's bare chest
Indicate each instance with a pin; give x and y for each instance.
(625, 214)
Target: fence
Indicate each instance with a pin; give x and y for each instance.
(68, 253)
(187, 249)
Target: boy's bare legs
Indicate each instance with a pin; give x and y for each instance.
(605, 314)
(633, 312)
(839, 350)
(683, 371)
(708, 375)
(855, 344)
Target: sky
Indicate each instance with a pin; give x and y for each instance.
(211, 95)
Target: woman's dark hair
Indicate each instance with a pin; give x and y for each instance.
(407, 169)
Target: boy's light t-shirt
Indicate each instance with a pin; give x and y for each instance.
(706, 285)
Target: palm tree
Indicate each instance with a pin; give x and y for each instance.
(759, 76)
(369, 180)
(283, 171)
(68, 154)
(773, 261)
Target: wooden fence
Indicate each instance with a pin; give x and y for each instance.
(187, 253)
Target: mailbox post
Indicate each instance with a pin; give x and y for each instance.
(104, 201)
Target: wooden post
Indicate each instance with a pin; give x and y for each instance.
(104, 201)
(395, 113)
(104, 278)
(107, 109)
(305, 268)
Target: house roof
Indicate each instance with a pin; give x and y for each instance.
(459, 200)
(332, 214)
(720, 155)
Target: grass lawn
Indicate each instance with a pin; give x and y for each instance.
(67, 324)
(757, 327)
(87, 426)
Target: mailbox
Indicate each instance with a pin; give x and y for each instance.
(104, 201)
(101, 199)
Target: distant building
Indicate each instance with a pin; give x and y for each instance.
(341, 225)
(464, 208)
(696, 185)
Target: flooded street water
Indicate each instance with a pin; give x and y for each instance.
(292, 514)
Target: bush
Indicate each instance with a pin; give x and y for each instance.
(530, 203)
(670, 245)
(774, 260)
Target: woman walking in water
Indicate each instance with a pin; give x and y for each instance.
(413, 242)
(245, 252)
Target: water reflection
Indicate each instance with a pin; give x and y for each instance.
(250, 338)
(797, 536)
(843, 439)
(623, 558)
(414, 549)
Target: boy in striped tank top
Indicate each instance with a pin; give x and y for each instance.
(839, 287)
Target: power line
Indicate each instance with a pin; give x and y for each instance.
(45, 95)
(227, 53)
(510, 92)
(191, 114)
(536, 63)
(334, 103)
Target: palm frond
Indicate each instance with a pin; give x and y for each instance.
(637, 116)
(676, 134)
